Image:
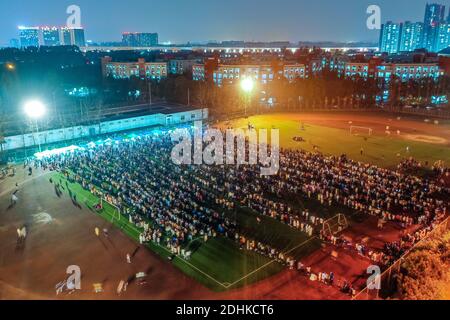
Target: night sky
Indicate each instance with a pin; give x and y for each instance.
(180, 21)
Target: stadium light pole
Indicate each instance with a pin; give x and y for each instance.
(35, 110)
(247, 85)
(10, 67)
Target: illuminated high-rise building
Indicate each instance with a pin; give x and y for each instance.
(14, 43)
(390, 37)
(442, 37)
(433, 34)
(50, 36)
(139, 39)
(411, 36)
(65, 36)
(434, 16)
(77, 37)
(29, 36)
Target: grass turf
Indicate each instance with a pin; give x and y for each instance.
(219, 264)
(379, 150)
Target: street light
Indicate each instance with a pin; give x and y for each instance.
(10, 66)
(247, 85)
(35, 109)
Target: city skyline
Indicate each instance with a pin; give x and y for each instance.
(218, 153)
(184, 22)
(50, 36)
(433, 34)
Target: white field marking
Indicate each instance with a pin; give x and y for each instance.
(226, 285)
(25, 181)
(337, 224)
(193, 240)
(185, 261)
(270, 262)
(167, 250)
(249, 274)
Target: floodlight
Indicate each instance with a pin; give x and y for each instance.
(34, 109)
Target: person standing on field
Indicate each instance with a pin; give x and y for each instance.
(14, 199)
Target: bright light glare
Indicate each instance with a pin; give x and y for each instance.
(49, 153)
(34, 109)
(247, 84)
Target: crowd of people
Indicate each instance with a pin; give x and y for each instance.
(362, 187)
(7, 171)
(410, 166)
(129, 177)
(177, 204)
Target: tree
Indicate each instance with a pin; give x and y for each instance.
(426, 271)
(423, 270)
(96, 111)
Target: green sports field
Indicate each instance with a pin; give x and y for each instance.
(331, 134)
(219, 264)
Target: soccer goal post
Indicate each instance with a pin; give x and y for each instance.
(335, 225)
(116, 210)
(356, 130)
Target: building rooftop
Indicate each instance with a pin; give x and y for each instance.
(144, 110)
